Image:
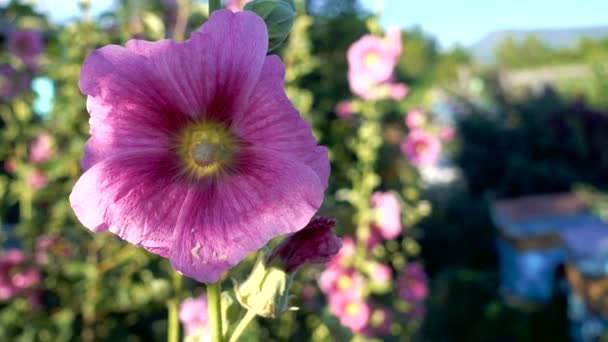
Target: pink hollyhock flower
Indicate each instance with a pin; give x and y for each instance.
(374, 58)
(413, 283)
(315, 244)
(196, 153)
(345, 253)
(26, 44)
(342, 282)
(193, 315)
(398, 91)
(236, 5)
(421, 148)
(15, 277)
(37, 180)
(41, 148)
(353, 312)
(380, 273)
(415, 119)
(345, 109)
(388, 214)
(447, 133)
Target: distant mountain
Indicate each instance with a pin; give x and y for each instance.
(483, 51)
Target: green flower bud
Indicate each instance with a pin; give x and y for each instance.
(266, 291)
(278, 15)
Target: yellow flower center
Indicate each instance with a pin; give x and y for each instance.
(371, 59)
(344, 282)
(352, 308)
(205, 147)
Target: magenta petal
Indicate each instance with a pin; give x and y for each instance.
(134, 195)
(221, 223)
(272, 122)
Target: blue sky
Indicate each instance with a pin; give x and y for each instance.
(451, 21)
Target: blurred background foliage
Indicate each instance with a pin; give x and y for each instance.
(511, 141)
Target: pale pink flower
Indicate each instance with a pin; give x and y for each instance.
(194, 317)
(345, 253)
(196, 153)
(41, 148)
(421, 148)
(398, 91)
(353, 312)
(413, 283)
(345, 109)
(27, 45)
(37, 180)
(415, 119)
(388, 214)
(380, 273)
(342, 282)
(374, 57)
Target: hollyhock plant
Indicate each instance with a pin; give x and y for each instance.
(421, 148)
(27, 45)
(193, 315)
(413, 283)
(388, 214)
(41, 148)
(196, 153)
(415, 119)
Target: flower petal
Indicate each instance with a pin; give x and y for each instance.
(221, 222)
(272, 122)
(210, 75)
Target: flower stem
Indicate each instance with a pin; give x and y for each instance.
(243, 324)
(214, 292)
(214, 5)
(173, 308)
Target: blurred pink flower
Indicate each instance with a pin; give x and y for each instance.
(236, 5)
(27, 45)
(353, 312)
(345, 253)
(342, 282)
(413, 283)
(41, 148)
(194, 317)
(421, 148)
(314, 244)
(345, 109)
(447, 133)
(415, 119)
(15, 276)
(374, 57)
(398, 91)
(371, 61)
(10, 166)
(380, 273)
(196, 153)
(37, 180)
(388, 214)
